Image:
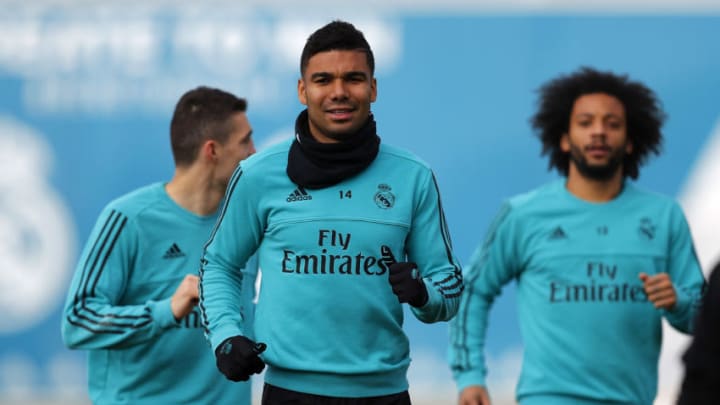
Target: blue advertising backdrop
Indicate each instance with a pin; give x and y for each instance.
(86, 95)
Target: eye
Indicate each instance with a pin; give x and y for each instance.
(615, 124)
(355, 78)
(246, 140)
(584, 123)
(320, 78)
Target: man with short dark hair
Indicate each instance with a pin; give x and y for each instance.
(328, 214)
(132, 300)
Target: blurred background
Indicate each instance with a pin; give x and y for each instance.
(87, 89)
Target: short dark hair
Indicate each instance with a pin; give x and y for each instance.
(336, 36)
(643, 112)
(202, 113)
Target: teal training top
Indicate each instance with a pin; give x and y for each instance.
(590, 334)
(326, 309)
(118, 307)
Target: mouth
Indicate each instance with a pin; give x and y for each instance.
(598, 151)
(340, 114)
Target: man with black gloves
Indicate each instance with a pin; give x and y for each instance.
(327, 214)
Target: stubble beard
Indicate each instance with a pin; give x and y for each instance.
(601, 172)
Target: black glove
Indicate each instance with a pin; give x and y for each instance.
(237, 358)
(405, 279)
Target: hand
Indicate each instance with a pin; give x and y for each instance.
(474, 395)
(659, 290)
(238, 358)
(185, 297)
(405, 279)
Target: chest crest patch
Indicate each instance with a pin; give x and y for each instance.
(384, 198)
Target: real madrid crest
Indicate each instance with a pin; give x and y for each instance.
(646, 228)
(384, 198)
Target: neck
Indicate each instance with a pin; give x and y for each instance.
(195, 190)
(593, 190)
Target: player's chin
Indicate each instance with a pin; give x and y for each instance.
(342, 130)
(597, 161)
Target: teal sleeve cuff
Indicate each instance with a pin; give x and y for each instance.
(429, 312)
(467, 378)
(162, 313)
(440, 305)
(681, 316)
(220, 334)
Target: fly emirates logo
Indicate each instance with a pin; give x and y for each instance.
(341, 261)
(600, 285)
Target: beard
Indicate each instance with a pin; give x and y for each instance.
(600, 172)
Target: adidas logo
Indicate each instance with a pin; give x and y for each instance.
(557, 233)
(174, 252)
(298, 195)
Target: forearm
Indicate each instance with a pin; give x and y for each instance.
(467, 338)
(682, 315)
(443, 299)
(220, 302)
(92, 325)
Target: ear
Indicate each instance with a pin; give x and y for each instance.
(373, 90)
(301, 91)
(209, 150)
(629, 148)
(565, 143)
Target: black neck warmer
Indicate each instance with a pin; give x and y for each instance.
(316, 165)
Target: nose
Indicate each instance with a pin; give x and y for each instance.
(339, 91)
(598, 127)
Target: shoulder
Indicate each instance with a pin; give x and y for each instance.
(653, 201)
(135, 202)
(537, 197)
(397, 166)
(532, 205)
(638, 192)
(403, 166)
(269, 155)
(396, 155)
(272, 157)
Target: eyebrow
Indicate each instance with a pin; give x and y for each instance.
(608, 115)
(352, 73)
